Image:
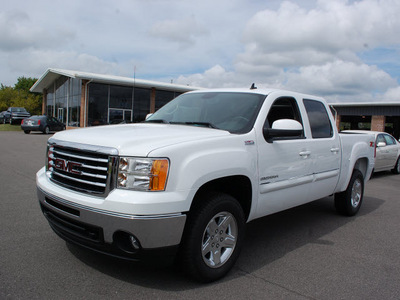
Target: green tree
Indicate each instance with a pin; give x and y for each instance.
(24, 84)
(7, 94)
(20, 96)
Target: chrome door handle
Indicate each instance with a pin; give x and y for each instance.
(305, 153)
(335, 150)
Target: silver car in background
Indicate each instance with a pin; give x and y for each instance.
(387, 149)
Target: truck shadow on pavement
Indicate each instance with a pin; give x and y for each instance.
(267, 240)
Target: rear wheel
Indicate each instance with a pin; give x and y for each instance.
(396, 169)
(213, 237)
(46, 130)
(27, 131)
(349, 202)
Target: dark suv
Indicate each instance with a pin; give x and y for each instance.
(15, 115)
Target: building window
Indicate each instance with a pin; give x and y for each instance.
(163, 97)
(50, 102)
(141, 104)
(121, 104)
(64, 100)
(61, 94)
(98, 104)
(74, 102)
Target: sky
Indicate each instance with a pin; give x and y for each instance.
(345, 51)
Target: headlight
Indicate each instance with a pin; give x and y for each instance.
(143, 174)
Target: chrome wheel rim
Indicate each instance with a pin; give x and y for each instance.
(219, 239)
(356, 193)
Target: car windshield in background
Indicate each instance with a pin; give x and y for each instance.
(234, 112)
(18, 109)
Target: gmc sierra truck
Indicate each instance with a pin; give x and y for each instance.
(187, 180)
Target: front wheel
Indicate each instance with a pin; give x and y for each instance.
(213, 237)
(396, 169)
(349, 202)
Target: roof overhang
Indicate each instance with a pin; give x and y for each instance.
(364, 104)
(51, 75)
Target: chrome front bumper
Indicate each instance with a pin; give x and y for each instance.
(94, 228)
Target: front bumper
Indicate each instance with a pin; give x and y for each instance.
(110, 232)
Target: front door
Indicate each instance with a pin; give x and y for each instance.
(285, 173)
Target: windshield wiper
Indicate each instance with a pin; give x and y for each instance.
(206, 124)
(157, 121)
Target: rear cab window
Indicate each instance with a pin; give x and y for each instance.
(318, 117)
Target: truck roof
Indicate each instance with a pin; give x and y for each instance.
(260, 91)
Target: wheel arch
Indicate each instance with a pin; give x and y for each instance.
(362, 166)
(238, 186)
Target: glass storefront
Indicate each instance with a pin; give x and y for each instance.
(107, 104)
(64, 100)
(113, 104)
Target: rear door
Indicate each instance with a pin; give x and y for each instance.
(325, 149)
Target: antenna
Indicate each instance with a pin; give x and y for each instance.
(253, 86)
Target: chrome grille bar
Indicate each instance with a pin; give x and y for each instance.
(85, 168)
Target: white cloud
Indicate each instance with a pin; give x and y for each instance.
(316, 50)
(392, 94)
(184, 31)
(340, 80)
(334, 48)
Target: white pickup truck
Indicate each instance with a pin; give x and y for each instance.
(187, 180)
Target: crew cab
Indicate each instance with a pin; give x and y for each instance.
(189, 178)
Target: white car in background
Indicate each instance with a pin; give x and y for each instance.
(387, 151)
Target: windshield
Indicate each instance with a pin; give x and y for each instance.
(18, 109)
(234, 112)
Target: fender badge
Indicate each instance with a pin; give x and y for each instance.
(248, 143)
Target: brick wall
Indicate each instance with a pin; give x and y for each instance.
(378, 123)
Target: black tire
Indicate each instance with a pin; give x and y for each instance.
(396, 169)
(46, 130)
(207, 256)
(10, 121)
(348, 203)
(27, 131)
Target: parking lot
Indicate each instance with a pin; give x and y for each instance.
(309, 252)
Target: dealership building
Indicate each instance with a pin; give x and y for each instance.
(81, 99)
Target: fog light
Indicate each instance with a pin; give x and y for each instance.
(127, 242)
(134, 242)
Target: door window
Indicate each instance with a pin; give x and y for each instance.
(284, 108)
(389, 140)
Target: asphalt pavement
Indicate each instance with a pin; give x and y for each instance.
(308, 252)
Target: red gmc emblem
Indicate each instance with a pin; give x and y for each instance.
(67, 166)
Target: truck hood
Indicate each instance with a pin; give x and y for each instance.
(138, 139)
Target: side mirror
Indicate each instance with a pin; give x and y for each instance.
(148, 116)
(283, 128)
(381, 144)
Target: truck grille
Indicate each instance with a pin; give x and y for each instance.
(81, 167)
